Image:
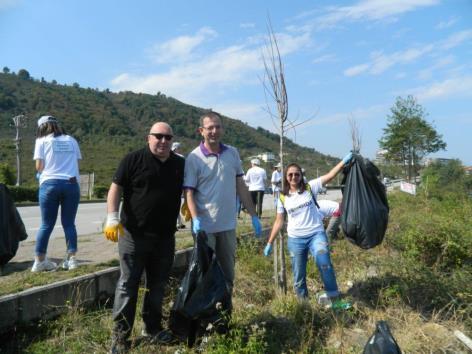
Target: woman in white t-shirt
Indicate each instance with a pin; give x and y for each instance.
(56, 155)
(306, 231)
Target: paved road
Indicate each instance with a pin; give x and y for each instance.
(90, 216)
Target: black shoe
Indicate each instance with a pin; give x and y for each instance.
(119, 346)
(165, 337)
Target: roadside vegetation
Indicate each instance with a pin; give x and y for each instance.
(419, 281)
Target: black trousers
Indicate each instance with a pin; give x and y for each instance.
(154, 255)
(257, 198)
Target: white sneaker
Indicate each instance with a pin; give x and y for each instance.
(73, 264)
(324, 300)
(44, 266)
(70, 263)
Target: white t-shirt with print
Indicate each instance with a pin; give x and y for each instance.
(60, 155)
(303, 216)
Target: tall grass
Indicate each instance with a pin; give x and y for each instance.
(420, 287)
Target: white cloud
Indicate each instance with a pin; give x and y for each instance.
(456, 39)
(381, 62)
(247, 25)
(252, 114)
(324, 58)
(370, 10)
(356, 70)
(427, 73)
(226, 68)
(180, 48)
(446, 24)
(456, 87)
(5, 4)
(362, 113)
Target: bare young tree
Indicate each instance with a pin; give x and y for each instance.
(275, 89)
(275, 92)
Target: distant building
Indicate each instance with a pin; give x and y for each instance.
(439, 160)
(380, 157)
(267, 156)
(468, 170)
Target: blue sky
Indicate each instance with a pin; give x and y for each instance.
(343, 59)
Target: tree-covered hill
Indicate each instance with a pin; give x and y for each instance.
(108, 125)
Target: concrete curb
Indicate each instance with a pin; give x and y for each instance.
(48, 301)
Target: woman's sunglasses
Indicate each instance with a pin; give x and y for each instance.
(290, 175)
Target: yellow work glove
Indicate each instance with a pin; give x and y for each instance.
(113, 228)
(185, 211)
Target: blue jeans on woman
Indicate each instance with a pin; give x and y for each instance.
(317, 245)
(52, 193)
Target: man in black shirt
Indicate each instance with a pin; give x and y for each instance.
(150, 180)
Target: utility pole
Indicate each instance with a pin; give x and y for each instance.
(19, 122)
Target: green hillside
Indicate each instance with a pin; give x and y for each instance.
(108, 125)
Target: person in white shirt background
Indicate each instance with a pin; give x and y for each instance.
(276, 181)
(56, 155)
(256, 181)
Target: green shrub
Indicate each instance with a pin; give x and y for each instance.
(7, 175)
(100, 191)
(436, 232)
(24, 193)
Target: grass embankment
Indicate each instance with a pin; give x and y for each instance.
(420, 287)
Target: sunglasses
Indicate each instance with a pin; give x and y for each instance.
(290, 175)
(159, 136)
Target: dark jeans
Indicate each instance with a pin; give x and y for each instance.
(257, 198)
(52, 194)
(153, 254)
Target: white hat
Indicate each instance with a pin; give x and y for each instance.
(175, 146)
(278, 165)
(255, 162)
(46, 119)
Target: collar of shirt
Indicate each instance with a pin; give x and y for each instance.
(207, 153)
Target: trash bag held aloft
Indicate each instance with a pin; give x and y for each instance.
(382, 341)
(12, 229)
(364, 207)
(203, 293)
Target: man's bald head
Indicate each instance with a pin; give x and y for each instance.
(157, 127)
(160, 140)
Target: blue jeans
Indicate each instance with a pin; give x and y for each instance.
(52, 193)
(317, 244)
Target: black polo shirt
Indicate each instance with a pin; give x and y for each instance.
(151, 192)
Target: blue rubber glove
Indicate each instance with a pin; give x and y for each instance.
(256, 224)
(38, 175)
(268, 249)
(347, 158)
(196, 225)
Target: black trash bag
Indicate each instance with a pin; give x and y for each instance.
(364, 207)
(12, 229)
(382, 341)
(203, 295)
